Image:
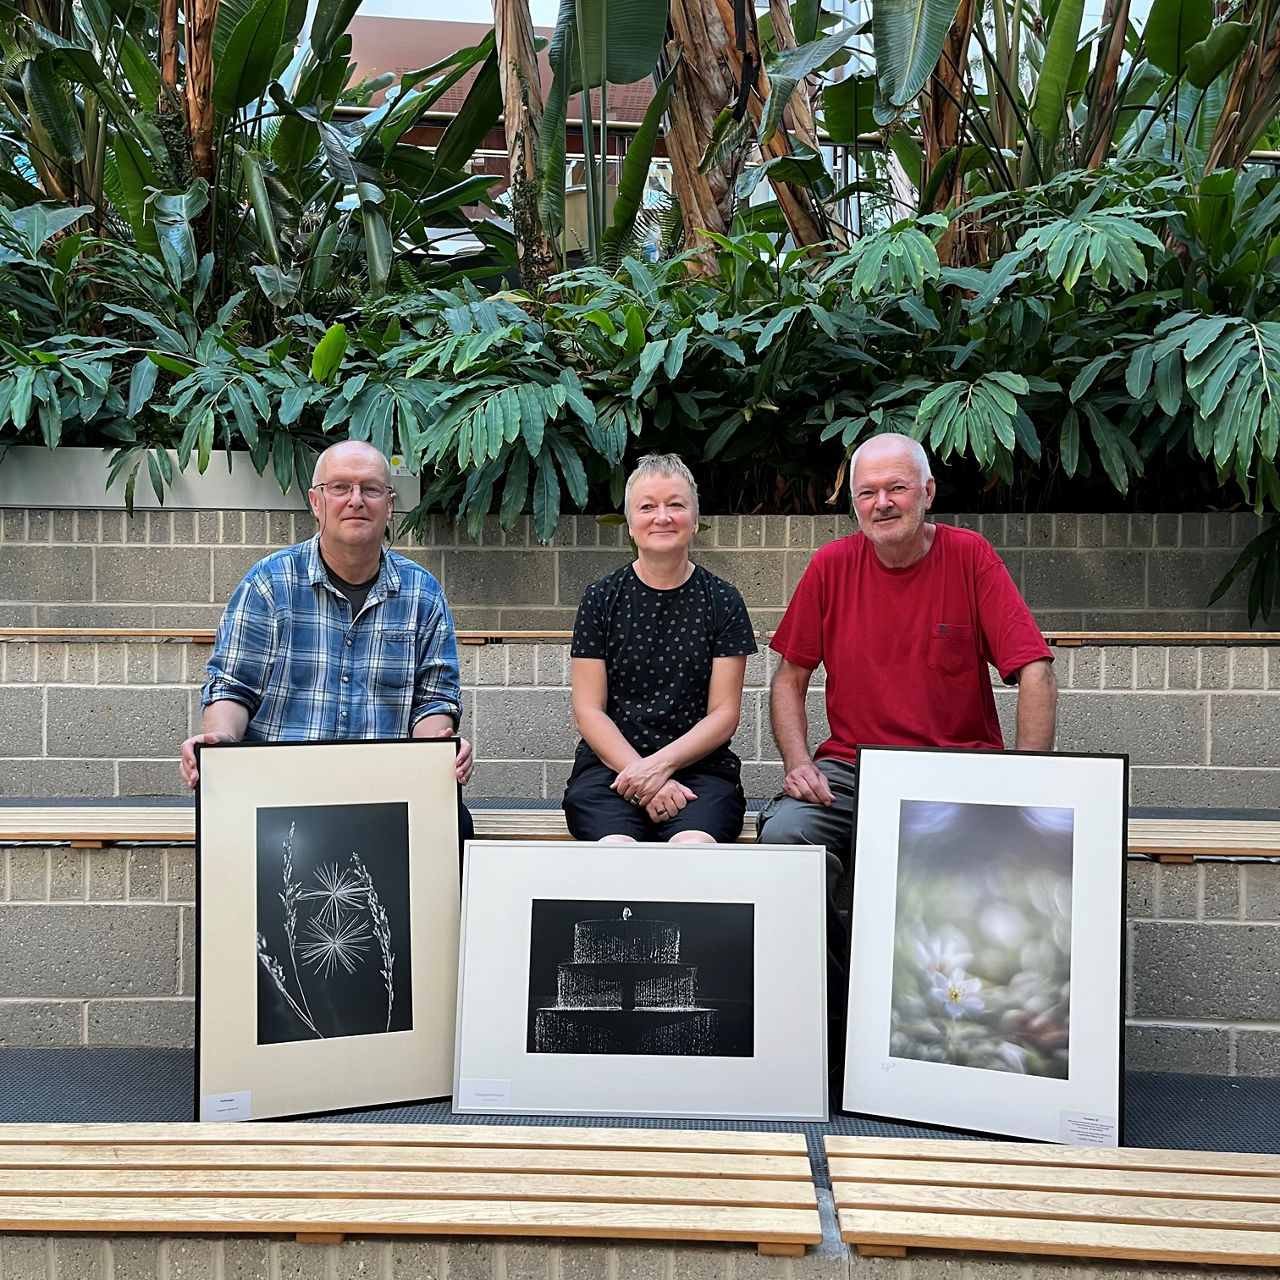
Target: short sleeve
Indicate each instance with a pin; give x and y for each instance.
(1010, 634)
(799, 635)
(734, 636)
(589, 625)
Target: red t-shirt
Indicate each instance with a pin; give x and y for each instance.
(906, 650)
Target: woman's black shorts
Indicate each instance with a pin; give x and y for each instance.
(593, 811)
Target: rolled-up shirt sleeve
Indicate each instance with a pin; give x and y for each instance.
(244, 649)
(437, 688)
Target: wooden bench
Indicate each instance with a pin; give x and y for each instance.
(320, 1182)
(96, 825)
(1093, 1202)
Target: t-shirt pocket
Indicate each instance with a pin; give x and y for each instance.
(393, 660)
(951, 648)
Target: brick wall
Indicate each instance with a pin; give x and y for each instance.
(99, 718)
(96, 948)
(176, 569)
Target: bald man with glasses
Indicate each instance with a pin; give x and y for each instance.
(336, 638)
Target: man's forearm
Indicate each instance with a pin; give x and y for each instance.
(789, 718)
(226, 718)
(436, 724)
(1037, 706)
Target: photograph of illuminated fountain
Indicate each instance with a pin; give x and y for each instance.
(641, 978)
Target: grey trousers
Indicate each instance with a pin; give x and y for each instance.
(787, 821)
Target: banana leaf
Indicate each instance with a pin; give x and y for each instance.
(1173, 26)
(908, 35)
(789, 68)
(636, 30)
(1048, 112)
(250, 56)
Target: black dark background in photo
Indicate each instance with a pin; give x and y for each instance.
(717, 937)
(341, 1003)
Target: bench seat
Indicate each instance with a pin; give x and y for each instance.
(320, 1182)
(89, 825)
(1094, 1202)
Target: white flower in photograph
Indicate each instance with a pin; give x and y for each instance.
(333, 943)
(337, 890)
(957, 993)
(1014, 1055)
(939, 953)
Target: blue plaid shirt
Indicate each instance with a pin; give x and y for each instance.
(289, 650)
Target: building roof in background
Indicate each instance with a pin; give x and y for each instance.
(400, 45)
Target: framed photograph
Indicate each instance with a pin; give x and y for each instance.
(642, 980)
(987, 964)
(326, 925)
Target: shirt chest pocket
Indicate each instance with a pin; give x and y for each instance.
(393, 660)
(951, 648)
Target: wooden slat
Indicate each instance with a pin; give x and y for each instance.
(421, 1159)
(1073, 1239)
(1076, 638)
(848, 1175)
(397, 1184)
(1044, 1154)
(488, 1217)
(988, 1201)
(410, 1135)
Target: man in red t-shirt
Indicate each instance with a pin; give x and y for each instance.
(905, 616)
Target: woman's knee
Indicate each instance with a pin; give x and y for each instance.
(692, 837)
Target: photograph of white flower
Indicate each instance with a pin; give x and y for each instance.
(982, 939)
(333, 911)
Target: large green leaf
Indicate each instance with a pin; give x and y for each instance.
(50, 100)
(480, 112)
(1173, 26)
(789, 68)
(127, 176)
(846, 108)
(632, 32)
(331, 20)
(1048, 113)
(1208, 58)
(909, 35)
(250, 56)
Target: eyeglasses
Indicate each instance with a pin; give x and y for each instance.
(372, 491)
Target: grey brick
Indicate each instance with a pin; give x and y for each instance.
(169, 663)
(508, 778)
(577, 570)
(1152, 728)
(1205, 788)
(180, 874)
(19, 662)
(800, 531)
(199, 617)
(160, 527)
(1166, 530)
(491, 664)
(582, 1260)
(135, 1258)
(28, 875)
(1015, 530)
(751, 531)
(244, 1258)
(135, 528)
(1141, 529)
(795, 564)
(85, 950)
(829, 528)
(747, 736)
(775, 531)
(1184, 667)
(1089, 530)
(51, 663)
(1262, 892)
(80, 1258)
(81, 664)
(1221, 890)
(152, 777)
(1191, 532)
(95, 615)
(294, 1261)
(39, 525)
(21, 713)
(26, 1257)
(230, 565)
(1039, 530)
(552, 664)
(1244, 729)
(1115, 530)
(507, 578)
(471, 1260)
(1193, 1050)
(140, 664)
(186, 950)
(1083, 579)
(1118, 668)
(145, 874)
(490, 621)
(1213, 668)
(191, 1257)
(1149, 667)
(116, 722)
(1140, 889)
(508, 620)
(644, 1261)
(358, 1260)
(527, 1261)
(758, 575)
(62, 778)
(184, 527)
(524, 724)
(1210, 970)
(26, 1024)
(1217, 529)
(1065, 531)
(67, 878)
(417, 1259)
(88, 526)
(1248, 668)
(1186, 579)
(1179, 890)
(761, 780)
(521, 663)
(1257, 1052)
(724, 532)
(280, 530)
(147, 573)
(13, 524)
